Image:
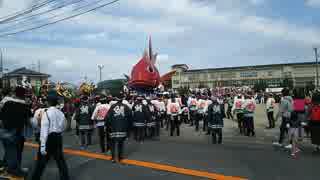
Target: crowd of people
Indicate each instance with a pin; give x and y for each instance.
(116, 119)
(299, 114)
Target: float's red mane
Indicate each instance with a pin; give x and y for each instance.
(145, 74)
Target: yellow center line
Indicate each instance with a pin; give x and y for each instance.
(156, 166)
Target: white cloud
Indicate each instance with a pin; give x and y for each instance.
(313, 3)
(8, 7)
(184, 10)
(69, 64)
(257, 2)
(62, 64)
(163, 58)
(177, 17)
(280, 29)
(128, 24)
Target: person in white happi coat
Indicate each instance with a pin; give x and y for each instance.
(173, 110)
(192, 104)
(98, 116)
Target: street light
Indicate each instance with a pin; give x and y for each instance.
(317, 69)
(1, 61)
(4, 82)
(100, 72)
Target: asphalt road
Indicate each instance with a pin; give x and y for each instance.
(246, 157)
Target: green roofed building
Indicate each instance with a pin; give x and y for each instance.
(112, 87)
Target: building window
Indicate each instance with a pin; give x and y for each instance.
(176, 82)
(192, 77)
(270, 73)
(19, 80)
(287, 74)
(248, 74)
(213, 76)
(227, 75)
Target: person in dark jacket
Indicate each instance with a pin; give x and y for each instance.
(118, 121)
(68, 111)
(151, 121)
(215, 120)
(15, 115)
(83, 117)
(140, 117)
(314, 121)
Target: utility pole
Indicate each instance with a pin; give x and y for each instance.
(317, 69)
(33, 66)
(1, 62)
(1, 68)
(39, 66)
(100, 72)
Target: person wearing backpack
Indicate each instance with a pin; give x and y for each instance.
(314, 122)
(285, 110)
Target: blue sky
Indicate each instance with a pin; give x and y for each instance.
(199, 33)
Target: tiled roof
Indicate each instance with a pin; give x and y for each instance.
(167, 76)
(27, 72)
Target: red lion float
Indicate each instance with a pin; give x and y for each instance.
(145, 74)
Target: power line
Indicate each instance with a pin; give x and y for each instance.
(39, 66)
(44, 12)
(27, 11)
(57, 21)
(26, 19)
(21, 11)
(62, 14)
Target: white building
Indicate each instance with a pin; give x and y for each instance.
(274, 75)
